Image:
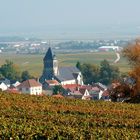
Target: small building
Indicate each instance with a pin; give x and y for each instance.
(52, 83)
(17, 83)
(13, 90)
(105, 96)
(5, 81)
(31, 87)
(77, 91)
(48, 86)
(3, 86)
(85, 93)
(109, 48)
(96, 95)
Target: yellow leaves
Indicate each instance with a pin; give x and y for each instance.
(132, 53)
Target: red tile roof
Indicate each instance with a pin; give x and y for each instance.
(105, 93)
(52, 82)
(13, 91)
(71, 86)
(88, 87)
(29, 83)
(95, 89)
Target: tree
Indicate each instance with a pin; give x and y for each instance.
(108, 73)
(122, 90)
(10, 71)
(57, 89)
(78, 65)
(105, 74)
(132, 53)
(90, 73)
(1, 76)
(25, 75)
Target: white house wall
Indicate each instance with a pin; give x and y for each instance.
(86, 94)
(68, 82)
(32, 90)
(36, 90)
(25, 90)
(79, 79)
(100, 94)
(3, 87)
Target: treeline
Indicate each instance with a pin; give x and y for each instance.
(12, 72)
(76, 45)
(104, 73)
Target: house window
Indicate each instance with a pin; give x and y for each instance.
(26, 89)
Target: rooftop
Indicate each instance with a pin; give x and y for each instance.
(29, 83)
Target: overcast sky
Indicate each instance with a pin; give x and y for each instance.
(67, 15)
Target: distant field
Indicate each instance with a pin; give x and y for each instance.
(34, 63)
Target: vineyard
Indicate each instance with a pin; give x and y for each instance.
(24, 117)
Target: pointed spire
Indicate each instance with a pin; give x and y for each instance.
(49, 54)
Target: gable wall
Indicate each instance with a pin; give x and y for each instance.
(68, 82)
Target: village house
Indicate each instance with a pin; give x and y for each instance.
(105, 96)
(15, 84)
(49, 84)
(3, 86)
(31, 87)
(12, 90)
(77, 91)
(5, 81)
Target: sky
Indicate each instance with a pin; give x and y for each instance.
(69, 16)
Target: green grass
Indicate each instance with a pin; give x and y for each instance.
(34, 63)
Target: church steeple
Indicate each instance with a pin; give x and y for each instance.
(50, 66)
(49, 55)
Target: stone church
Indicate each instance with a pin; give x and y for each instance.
(64, 75)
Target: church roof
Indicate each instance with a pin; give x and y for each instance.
(49, 54)
(67, 73)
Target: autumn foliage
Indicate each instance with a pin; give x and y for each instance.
(132, 53)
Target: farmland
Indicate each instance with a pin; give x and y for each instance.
(34, 63)
(41, 117)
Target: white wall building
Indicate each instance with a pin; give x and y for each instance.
(3, 86)
(31, 87)
(108, 48)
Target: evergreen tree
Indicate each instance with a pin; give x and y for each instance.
(10, 71)
(58, 89)
(108, 73)
(25, 75)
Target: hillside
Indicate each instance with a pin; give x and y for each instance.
(33, 117)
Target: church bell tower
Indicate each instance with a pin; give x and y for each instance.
(50, 66)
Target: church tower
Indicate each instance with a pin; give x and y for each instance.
(50, 66)
(55, 66)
